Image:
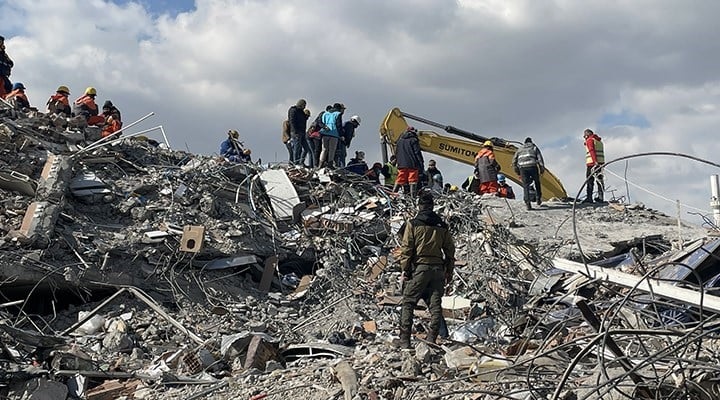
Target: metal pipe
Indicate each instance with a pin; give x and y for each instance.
(715, 199)
(96, 143)
(167, 143)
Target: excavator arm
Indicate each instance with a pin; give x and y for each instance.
(463, 150)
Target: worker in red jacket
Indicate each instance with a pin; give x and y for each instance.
(85, 106)
(504, 190)
(17, 97)
(59, 102)
(113, 119)
(594, 160)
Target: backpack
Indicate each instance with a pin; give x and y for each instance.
(285, 131)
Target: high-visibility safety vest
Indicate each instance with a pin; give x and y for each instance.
(599, 153)
(393, 173)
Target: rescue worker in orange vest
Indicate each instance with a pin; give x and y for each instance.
(59, 102)
(594, 161)
(17, 97)
(487, 168)
(504, 190)
(113, 119)
(6, 65)
(85, 107)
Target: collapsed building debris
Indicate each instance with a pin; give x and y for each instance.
(134, 271)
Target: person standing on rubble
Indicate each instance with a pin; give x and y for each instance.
(594, 161)
(409, 161)
(346, 136)
(330, 134)
(529, 165)
(314, 138)
(472, 183)
(297, 118)
(17, 97)
(85, 107)
(434, 177)
(487, 168)
(427, 257)
(113, 119)
(6, 65)
(59, 102)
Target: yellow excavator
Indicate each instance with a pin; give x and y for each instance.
(464, 151)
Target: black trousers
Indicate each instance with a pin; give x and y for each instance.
(530, 176)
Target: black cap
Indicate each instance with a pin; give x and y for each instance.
(528, 140)
(108, 104)
(338, 106)
(425, 200)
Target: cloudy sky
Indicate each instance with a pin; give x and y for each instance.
(644, 74)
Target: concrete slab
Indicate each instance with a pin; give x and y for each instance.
(281, 191)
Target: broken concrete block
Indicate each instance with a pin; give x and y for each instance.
(281, 191)
(41, 389)
(460, 358)
(260, 352)
(15, 181)
(118, 341)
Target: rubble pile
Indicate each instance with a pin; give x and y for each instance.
(129, 270)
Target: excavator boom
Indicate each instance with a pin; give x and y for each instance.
(463, 150)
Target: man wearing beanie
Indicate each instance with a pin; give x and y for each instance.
(427, 257)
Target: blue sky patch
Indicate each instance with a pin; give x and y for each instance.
(158, 7)
(625, 117)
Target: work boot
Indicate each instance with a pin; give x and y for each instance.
(413, 186)
(396, 188)
(404, 342)
(528, 206)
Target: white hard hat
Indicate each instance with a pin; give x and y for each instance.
(355, 118)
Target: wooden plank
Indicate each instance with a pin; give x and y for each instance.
(653, 286)
(268, 274)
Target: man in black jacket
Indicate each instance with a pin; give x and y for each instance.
(409, 160)
(298, 124)
(6, 65)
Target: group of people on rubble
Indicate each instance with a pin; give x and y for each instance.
(83, 109)
(322, 143)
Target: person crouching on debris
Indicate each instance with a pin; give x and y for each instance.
(17, 97)
(373, 174)
(113, 119)
(231, 148)
(357, 164)
(59, 102)
(85, 107)
(427, 257)
(504, 190)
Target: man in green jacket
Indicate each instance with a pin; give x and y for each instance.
(427, 257)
